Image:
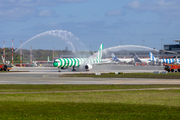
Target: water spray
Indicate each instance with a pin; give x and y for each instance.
(123, 47)
(64, 35)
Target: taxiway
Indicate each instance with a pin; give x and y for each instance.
(50, 75)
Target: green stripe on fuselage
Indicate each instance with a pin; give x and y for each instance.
(74, 63)
(67, 62)
(64, 62)
(77, 64)
(71, 62)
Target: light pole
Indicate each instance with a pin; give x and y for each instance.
(12, 51)
(162, 44)
(53, 53)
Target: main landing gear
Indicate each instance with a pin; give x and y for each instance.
(73, 69)
(59, 70)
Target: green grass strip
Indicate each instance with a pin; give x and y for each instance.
(40, 88)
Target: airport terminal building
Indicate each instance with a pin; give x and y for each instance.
(173, 48)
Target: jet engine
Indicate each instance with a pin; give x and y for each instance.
(64, 68)
(88, 67)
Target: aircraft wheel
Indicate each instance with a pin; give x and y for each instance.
(172, 70)
(168, 70)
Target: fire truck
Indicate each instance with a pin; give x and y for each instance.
(4, 67)
(172, 67)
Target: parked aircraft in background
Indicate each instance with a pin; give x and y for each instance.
(168, 61)
(85, 63)
(114, 58)
(124, 60)
(140, 60)
(48, 61)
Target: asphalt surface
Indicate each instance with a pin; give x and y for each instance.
(50, 75)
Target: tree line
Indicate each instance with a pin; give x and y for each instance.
(37, 55)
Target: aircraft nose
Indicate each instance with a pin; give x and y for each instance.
(55, 64)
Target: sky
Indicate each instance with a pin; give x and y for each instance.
(90, 22)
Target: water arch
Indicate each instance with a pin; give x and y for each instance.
(63, 35)
(127, 50)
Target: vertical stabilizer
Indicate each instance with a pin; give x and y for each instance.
(136, 58)
(99, 54)
(114, 58)
(152, 58)
(48, 59)
(3, 60)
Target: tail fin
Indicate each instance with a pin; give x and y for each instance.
(3, 60)
(114, 58)
(99, 54)
(152, 58)
(136, 58)
(48, 59)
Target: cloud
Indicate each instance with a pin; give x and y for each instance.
(135, 4)
(20, 3)
(15, 13)
(71, 1)
(166, 8)
(46, 13)
(21, 9)
(115, 13)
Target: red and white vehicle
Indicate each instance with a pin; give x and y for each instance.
(172, 67)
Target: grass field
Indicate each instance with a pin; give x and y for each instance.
(24, 102)
(127, 75)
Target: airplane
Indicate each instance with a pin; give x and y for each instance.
(152, 58)
(168, 61)
(140, 60)
(48, 61)
(115, 59)
(86, 63)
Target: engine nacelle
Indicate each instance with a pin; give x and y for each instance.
(64, 68)
(88, 67)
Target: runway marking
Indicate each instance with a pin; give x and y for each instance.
(84, 91)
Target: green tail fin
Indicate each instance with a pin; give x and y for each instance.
(99, 54)
(48, 59)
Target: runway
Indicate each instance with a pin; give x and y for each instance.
(98, 68)
(50, 75)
